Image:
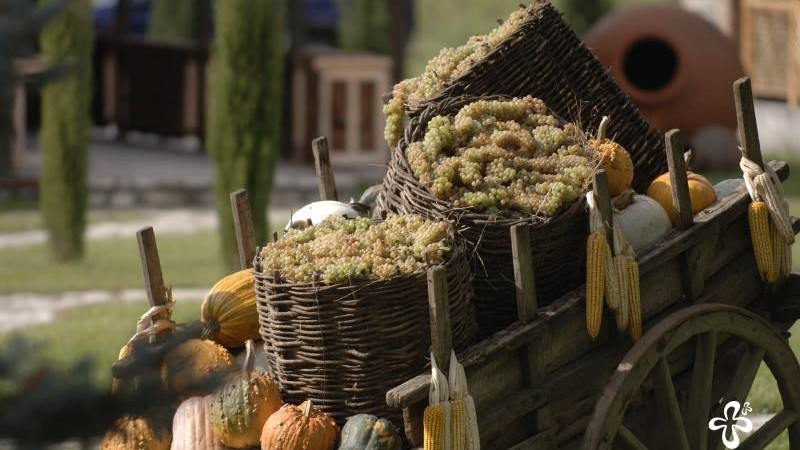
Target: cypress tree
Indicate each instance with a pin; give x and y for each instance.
(245, 108)
(364, 25)
(173, 20)
(67, 39)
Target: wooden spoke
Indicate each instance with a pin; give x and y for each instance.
(740, 385)
(629, 440)
(668, 410)
(699, 405)
(770, 430)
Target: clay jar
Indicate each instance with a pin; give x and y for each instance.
(676, 67)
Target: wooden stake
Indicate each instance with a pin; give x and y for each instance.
(151, 267)
(441, 334)
(679, 180)
(523, 272)
(602, 198)
(746, 116)
(243, 225)
(322, 162)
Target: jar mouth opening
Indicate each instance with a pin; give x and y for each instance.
(651, 67)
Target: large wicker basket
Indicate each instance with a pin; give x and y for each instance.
(344, 346)
(557, 243)
(546, 59)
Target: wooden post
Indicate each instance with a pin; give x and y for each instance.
(151, 267)
(681, 201)
(523, 272)
(243, 225)
(602, 197)
(746, 116)
(441, 334)
(322, 162)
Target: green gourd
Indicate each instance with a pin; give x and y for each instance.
(367, 432)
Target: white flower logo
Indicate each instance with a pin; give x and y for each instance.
(731, 422)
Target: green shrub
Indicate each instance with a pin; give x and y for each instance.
(364, 25)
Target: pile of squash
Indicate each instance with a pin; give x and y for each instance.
(221, 407)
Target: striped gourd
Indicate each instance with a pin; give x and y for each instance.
(596, 248)
(622, 314)
(229, 310)
(758, 219)
(634, 296)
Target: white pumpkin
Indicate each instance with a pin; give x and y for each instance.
(643, 222)
(191, 429)
(318, 211)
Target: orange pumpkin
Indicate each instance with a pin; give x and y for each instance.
(299, 427)
(701, 193)
(614, 159)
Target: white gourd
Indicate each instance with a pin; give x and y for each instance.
(316, 212)
(643, 222)
(191, 429)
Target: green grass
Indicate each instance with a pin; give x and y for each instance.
(95, 332)
(474, 17)
(187, 261)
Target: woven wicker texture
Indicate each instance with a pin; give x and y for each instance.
(344, 346)
(558, 243)
(546, 59)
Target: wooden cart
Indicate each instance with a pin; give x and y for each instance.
(542, 383)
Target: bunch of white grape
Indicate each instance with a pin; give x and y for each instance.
(342, 250)
(447, 66)
(498, 156)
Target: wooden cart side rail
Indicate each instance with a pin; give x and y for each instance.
(660, 256)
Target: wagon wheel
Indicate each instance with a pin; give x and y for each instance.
(683, 372)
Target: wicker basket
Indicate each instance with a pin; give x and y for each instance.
(558, 242)
(344, 346)
(544, 58)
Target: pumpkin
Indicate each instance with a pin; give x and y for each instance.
(118, 385)
(240, 408)
(229, 310)
(191, 429)
(701, 193)
(136, 433)
(643, 221)
(299, 427)
(614, 159)
(367, 432)
(191, 367)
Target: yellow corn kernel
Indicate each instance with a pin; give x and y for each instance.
(595, 289)
(458, 424)
(622, 313)
(634, 296)
(758, 218)
(433, 427)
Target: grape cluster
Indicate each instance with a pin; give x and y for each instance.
(341, 250)
(503, 156)
(447, 66)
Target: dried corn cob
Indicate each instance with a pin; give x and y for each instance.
(634, 297)
(611, 281)
(622, 314)
(596, 248)
(458, 420)
(758, 218)
(433, 427)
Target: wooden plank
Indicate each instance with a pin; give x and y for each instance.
(524, 276)
(538, 441)
(603, 201)
(414, 428)
(441, 333)
(322, 162)
(669, 412)
(681, 201)
(151, 268)
(243, 225)
(492, 421)
(699, 401)
(746, 117)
